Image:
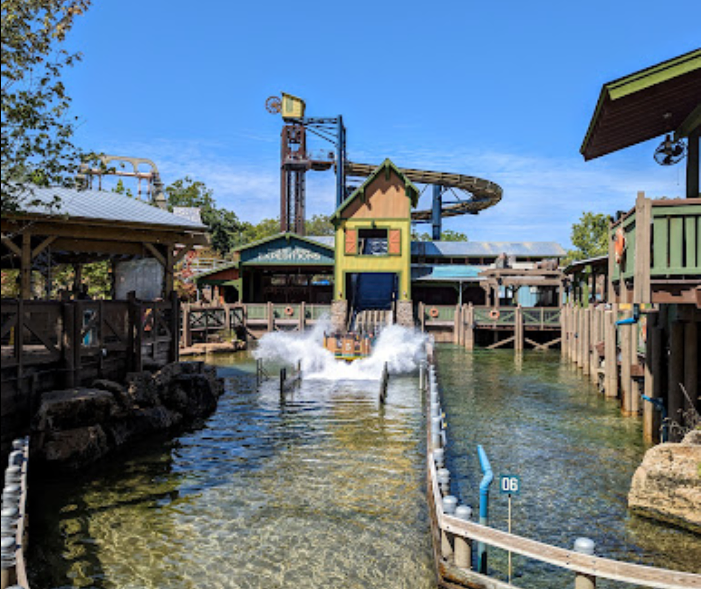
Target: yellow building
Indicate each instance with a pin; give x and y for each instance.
(373, 247)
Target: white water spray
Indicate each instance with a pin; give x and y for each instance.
(401, 348)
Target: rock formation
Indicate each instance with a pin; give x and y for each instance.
(667, 485)
(76, 427)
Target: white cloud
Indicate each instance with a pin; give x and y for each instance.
(543, 196)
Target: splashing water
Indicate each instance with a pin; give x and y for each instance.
(401, 348)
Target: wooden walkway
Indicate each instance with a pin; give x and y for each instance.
(595, 566)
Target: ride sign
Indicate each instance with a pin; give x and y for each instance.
(509, 484)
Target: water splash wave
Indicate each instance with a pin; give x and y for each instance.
(401, 348)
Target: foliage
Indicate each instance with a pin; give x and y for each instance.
(319, 225)
(36, 131)
(446, 235)
(225, 229)
(589, 236)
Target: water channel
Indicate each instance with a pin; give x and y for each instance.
(326, 489)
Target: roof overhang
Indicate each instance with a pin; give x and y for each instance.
(657, 100)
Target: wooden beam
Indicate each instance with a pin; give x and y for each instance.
(156, 254)
(112, 232)
(88, 246)
(503, 342)
(43, 245)
(11, 245)
(26, 266)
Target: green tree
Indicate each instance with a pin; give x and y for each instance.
(261, 230)
(589, 237)
(319, 225)
(226, 231)
(446, 235)
(36, 133)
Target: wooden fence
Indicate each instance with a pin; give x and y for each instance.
(80, 339)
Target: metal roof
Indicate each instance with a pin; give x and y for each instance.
(643, 105)
(448, 273)
(327, 240)
(535, 249)
(100, 205)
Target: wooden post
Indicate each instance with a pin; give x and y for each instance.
(641, 284)
(626, 332)
(586, 344)
(653, 365)
(456, 324)
(187, 332)
(594, 338)
(26, 267)
(610, 355)
(302, 316)
(692, 164)
(675, 400)
(68, 344)
(271, 318)
(580, 337)
(564, 340)
(691, 361)
(169, 279)
(470, 333)
(422, 317)
(174, 345)
(518, 329)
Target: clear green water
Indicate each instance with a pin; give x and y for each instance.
(327, 488)
(323, 490)
(538, 418)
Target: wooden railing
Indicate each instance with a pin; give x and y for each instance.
(447, 528)
(659, 252)
(70, 333)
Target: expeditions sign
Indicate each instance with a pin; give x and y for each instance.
(288, 251)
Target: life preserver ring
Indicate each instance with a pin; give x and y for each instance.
(619, 244)
(433, 312)
(289, 311)
(494, 314)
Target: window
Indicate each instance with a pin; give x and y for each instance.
(373, 242)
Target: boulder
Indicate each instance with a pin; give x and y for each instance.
(667, 485)
(74, 408)
(142, 389)
(76, 447)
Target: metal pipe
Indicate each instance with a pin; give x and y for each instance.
(659, 405)
(484, 505)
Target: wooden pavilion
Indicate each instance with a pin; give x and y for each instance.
(48, 343)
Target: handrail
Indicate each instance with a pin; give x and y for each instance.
(595, 566)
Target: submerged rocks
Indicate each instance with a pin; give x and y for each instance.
(76, 427)
(667, 485)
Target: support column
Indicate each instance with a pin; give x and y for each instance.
(26, 267)
(675, 400)
(470, 331)
(626, 332)
(586, 345)
(691, 362)
(518, 329)
(653, 365)
(594, 338)
(692, 164)
(563, 332)
(610, 355)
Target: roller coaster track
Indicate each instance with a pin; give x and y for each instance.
(480, 194)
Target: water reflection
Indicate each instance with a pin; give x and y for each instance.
(322, 490)
(575, 454)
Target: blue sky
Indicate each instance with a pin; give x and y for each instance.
(502, 90)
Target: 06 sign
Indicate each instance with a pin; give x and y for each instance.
(509, 484)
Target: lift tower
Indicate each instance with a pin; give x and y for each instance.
(295, 160)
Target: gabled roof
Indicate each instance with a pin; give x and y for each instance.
(100, 206)
(316, 241)
(387, 166)
(644, 105)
